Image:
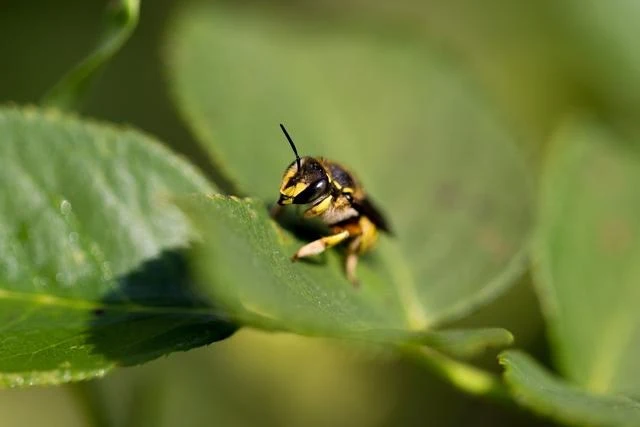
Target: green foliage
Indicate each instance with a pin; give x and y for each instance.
(247, 268)
(605, 36)
(587, 276)
(458, 196)
(92, 273)
(548, 395)
(587, 251)
(114, 251)
(121, 20)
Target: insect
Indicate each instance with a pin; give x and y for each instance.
(336, 197)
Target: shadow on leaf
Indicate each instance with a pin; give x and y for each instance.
(154, 311)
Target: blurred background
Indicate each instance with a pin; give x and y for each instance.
(539, 60)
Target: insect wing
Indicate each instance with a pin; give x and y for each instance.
(368, 209)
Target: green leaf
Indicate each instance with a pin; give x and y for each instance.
(468, 342)
(604, 49)
(91, 271)
(409, 123)
(537, 389)
(120, 22)
(244, 261)
(588, 251)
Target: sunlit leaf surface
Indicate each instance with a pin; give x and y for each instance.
(410, 124)
(243, 260)
(91, 270)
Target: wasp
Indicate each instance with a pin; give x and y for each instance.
(338, 200)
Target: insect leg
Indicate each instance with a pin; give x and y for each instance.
(318, 246)
(351, 261)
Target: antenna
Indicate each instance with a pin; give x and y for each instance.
(293, 147)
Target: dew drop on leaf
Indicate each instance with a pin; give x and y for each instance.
(65, 207)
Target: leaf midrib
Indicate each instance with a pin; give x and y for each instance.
(86, 305)
(414, 311)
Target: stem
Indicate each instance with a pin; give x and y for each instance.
(121, 20)
(89, 397)
(147, 395)
(470, 379)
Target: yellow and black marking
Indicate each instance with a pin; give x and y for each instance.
(338, 200)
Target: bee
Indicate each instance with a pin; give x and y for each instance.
(338, 200)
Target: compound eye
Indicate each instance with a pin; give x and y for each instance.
(312, 192)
